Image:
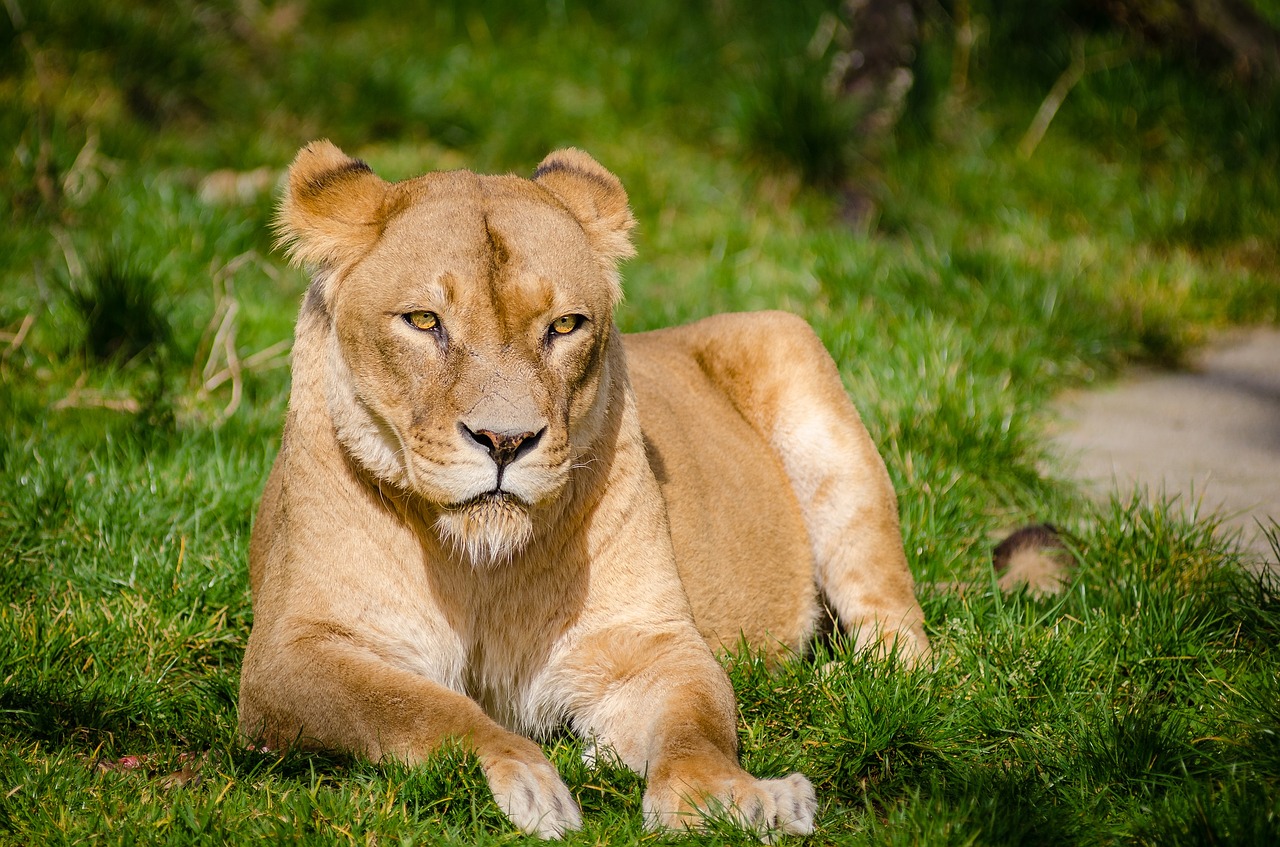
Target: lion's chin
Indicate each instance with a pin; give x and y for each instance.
(487, 530)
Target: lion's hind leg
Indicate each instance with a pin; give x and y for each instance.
(781, 379)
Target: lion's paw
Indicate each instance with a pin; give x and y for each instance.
(765, 807)
(533, 796)
(795, 803)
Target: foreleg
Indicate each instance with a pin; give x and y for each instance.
(323, 691)
(665, 708)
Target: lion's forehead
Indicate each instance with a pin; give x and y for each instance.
(493, 219)
(513, 256)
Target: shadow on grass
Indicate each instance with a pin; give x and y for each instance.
(1004, 804)
(60, 715)
(1239, 811)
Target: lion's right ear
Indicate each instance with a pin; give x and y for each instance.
(333, 208)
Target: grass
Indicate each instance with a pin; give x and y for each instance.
(1139, 707)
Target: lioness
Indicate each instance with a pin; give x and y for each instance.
(493, 515)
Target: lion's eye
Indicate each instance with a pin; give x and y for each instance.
(422, 320)
(566, 324)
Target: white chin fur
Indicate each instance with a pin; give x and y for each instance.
(487, 531)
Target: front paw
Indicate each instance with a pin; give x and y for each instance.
(531, 793)
(765, 807)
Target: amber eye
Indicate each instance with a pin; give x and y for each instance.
(422, 320)
(566, 324)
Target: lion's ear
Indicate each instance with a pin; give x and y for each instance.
(333, 207)
(594, 196)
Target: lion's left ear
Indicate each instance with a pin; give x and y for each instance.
(595, 197)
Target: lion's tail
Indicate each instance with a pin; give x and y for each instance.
(1032, 558)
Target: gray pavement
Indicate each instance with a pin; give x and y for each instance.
(1210, 434)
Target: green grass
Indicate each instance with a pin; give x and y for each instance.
(1139, 707)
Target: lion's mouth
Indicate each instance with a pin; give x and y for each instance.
(487, 528)
(497, 498)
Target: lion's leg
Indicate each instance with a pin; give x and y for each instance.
(782, 380)
(325, 692)
(663, 705)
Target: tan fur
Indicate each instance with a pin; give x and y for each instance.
(658, 498)
(1035, 559)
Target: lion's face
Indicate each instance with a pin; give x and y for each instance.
(468, 340)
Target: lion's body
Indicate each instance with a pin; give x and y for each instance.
(713, 396)
(734, 519)
(490, 516)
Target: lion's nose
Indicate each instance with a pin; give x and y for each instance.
(504, 447)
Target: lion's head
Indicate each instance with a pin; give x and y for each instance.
(467, 321)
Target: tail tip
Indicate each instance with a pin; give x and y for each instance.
(1034, 558)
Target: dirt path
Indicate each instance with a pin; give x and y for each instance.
(1210, 434)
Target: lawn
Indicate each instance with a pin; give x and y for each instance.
(146, 318)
